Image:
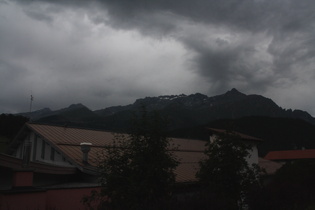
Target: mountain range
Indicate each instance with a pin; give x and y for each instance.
(188, 115)
(181, 110)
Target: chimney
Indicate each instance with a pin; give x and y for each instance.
(85, 148)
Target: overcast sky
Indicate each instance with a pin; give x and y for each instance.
(105, 53)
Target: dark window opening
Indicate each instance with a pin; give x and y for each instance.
(52, 154)
(43, 150)
(35, 147)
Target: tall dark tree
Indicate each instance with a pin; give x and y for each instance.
(9, 128)
(137, 171)
(292, 187)
(225, 173)
(11, 124)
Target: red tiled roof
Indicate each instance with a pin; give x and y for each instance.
(243, 136)
(72, 136)
(291, 154)
(67, 140)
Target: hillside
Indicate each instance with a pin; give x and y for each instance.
(188, 115)
(198, 109)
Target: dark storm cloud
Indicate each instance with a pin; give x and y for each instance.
(288, 24)
(195, 10)
(258, 45)
(274, 49)
(246, 14)
(281, 20)
(253, 15)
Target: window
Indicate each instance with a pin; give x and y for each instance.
(52, 154)
(43, 150)
(21, 151)
(35, 147)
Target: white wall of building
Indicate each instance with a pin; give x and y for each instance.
(42, 151)
(252, 158)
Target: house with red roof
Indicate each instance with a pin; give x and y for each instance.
(53, 167)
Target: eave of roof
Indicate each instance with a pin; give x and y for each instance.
(243, 136)
(38, 167)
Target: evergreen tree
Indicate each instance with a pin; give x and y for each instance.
(291, 187)
(225, 174)
(137, 171)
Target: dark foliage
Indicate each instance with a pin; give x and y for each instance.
(11, 124)
(277, 133)
(225, 174)
(292, 188)
(9, 127)
(137, 171)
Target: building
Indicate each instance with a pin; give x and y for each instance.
(290, 155)
(53, 167)
(252, 141)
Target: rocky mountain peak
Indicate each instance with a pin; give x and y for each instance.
(234, 92)
(184, 110)
(76, 106)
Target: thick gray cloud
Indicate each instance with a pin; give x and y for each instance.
(103, 53)
(253, 43)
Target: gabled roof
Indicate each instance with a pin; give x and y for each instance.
(243, 136)
(67, 141)
(291, 154)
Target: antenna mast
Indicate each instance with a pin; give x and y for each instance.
(31, 103)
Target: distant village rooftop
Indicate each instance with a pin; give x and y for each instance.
(291, 154)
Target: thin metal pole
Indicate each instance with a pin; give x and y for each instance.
(32, 98)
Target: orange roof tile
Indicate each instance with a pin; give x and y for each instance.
(291, 154)
(67, 140)
(72, 136)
